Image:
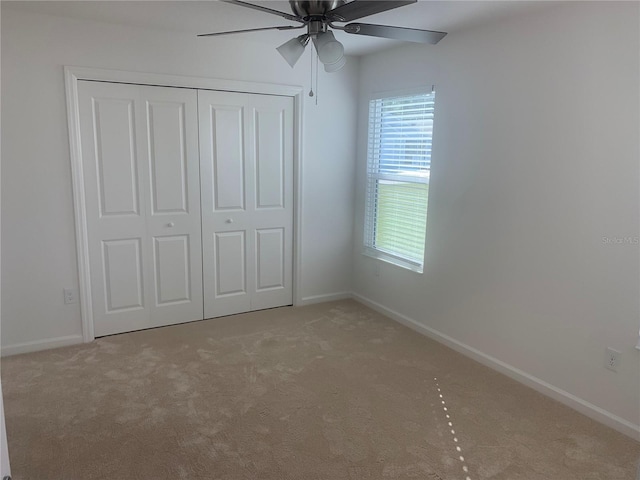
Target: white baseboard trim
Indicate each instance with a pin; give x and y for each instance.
(592, 411)
(328, 297)
(40, 345)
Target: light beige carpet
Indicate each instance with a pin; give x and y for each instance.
(331, 391)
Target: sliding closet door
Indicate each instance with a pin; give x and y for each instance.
(246, 152)
(141, 172)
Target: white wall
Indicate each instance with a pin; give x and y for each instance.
(535, 161)
(38, 239)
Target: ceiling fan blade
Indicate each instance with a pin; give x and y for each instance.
(396, 33)
(285, 27)
(288, 16)
(363, 8)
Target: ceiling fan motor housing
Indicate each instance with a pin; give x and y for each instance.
(310, 8)
(315, 27)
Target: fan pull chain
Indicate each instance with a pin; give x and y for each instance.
(316, 79)
(311, 75)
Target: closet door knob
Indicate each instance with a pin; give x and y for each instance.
(229, 220)
(171, 224)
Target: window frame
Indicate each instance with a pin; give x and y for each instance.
(370, 218)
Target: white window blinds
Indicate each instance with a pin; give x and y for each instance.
(398, 164)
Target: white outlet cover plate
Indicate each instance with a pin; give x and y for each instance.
(612, 359)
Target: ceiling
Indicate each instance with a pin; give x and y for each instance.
(195, 17)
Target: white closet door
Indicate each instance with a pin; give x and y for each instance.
(246, 166)
(141, 171)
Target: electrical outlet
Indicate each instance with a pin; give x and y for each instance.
(70, 296)
(612, 359)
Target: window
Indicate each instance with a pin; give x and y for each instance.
(398, 164)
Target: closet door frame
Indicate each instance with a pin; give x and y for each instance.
(73, 74)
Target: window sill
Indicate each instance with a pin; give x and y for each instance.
(399, 262)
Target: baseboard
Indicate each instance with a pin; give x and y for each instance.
(328, 297)
(40, 345)
(592, 411)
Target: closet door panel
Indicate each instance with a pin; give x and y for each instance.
(171, 138)
(272, 219)
(122, 267)
(189, 203)
(271, 157)
(172, 269)
(115, 155)
(230, 264)
(270, 262)
(226, 156)
(168, 157)
(142, 193)
(246, 148)
(114, 172)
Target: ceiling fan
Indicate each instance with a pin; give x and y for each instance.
(319, 17)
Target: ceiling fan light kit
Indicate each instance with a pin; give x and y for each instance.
(293, 49)
(330, 51)
(334, 67)
(318, 16)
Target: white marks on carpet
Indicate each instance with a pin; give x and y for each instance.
(447, 414)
